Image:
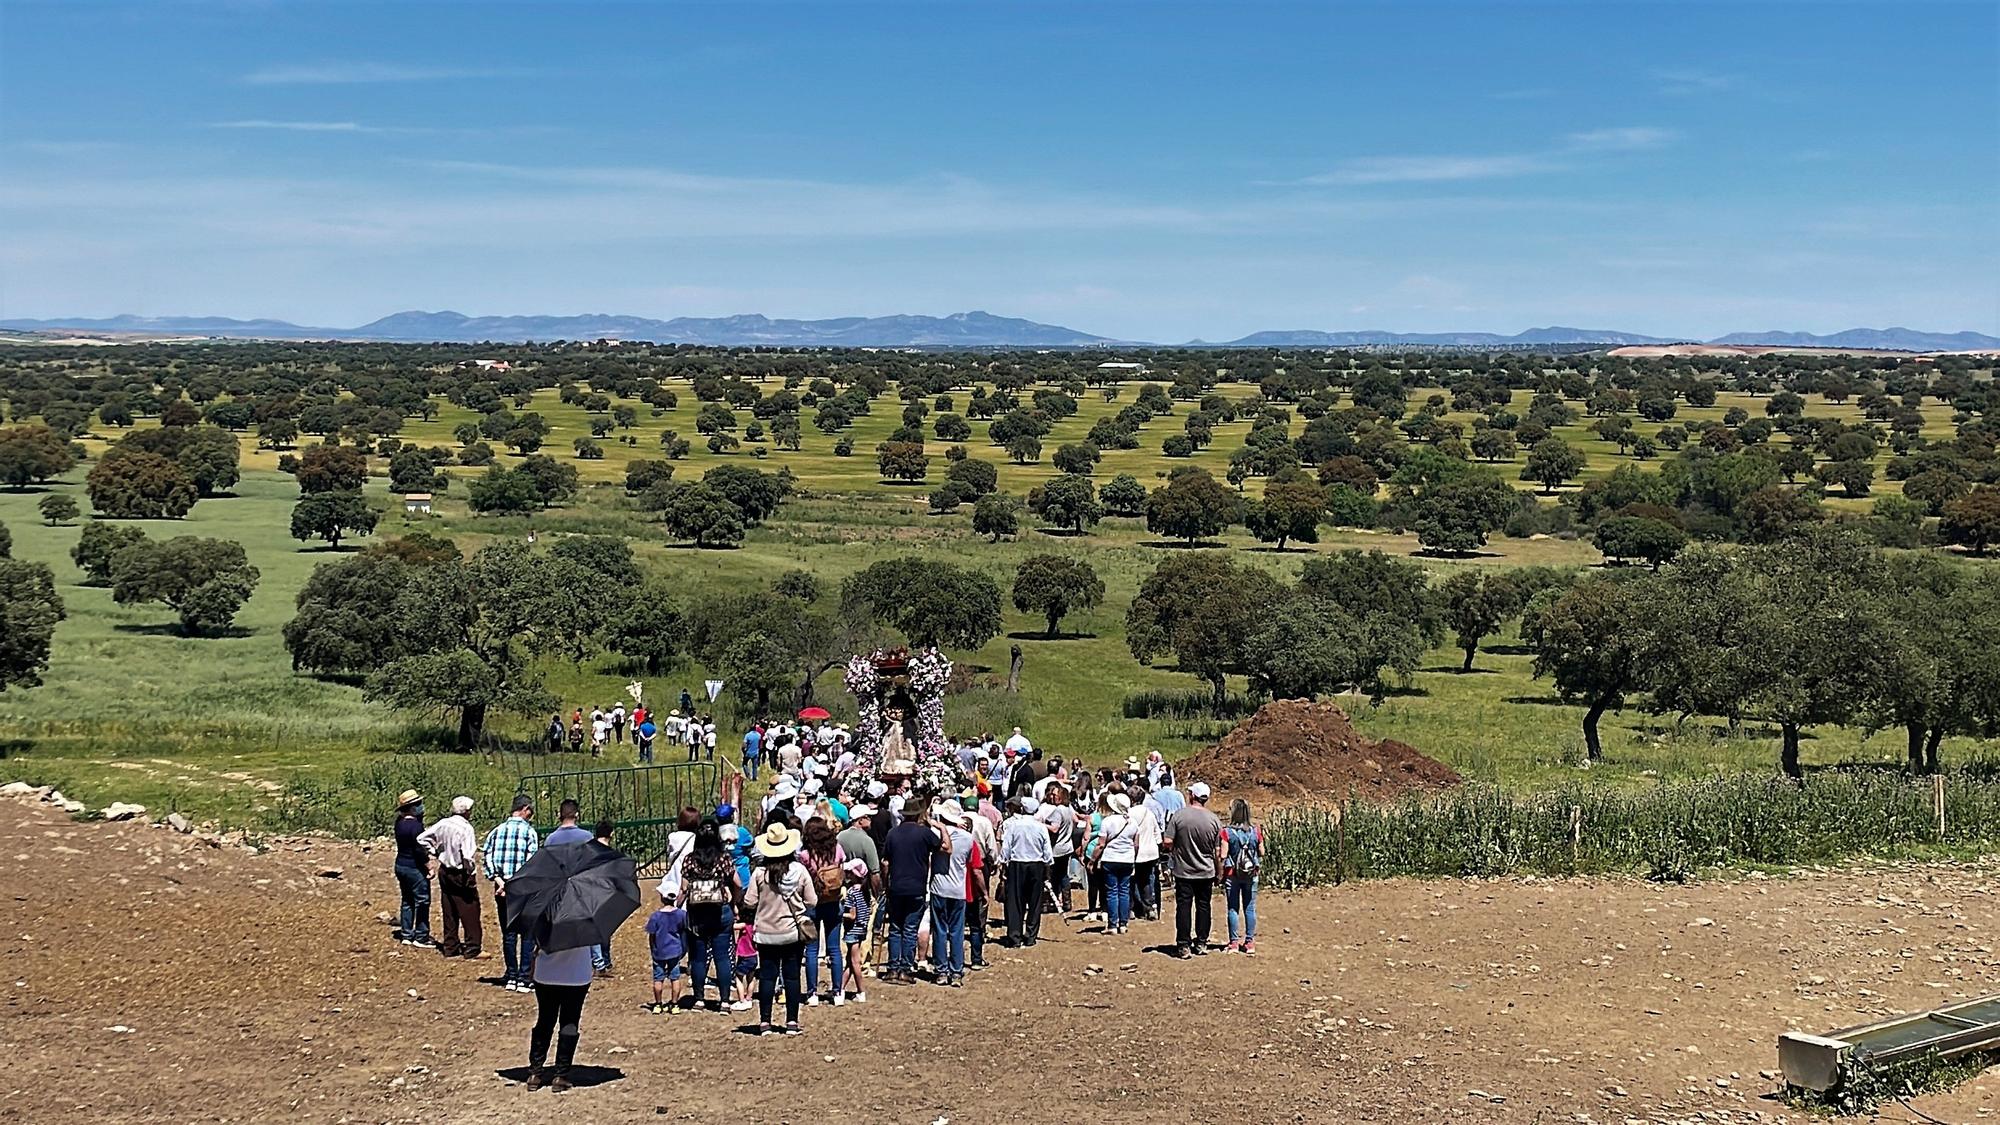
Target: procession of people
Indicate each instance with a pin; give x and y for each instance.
(811, 895)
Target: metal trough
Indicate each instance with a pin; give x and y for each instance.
(1815, 1062)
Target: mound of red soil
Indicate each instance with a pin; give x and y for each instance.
(1296, 750)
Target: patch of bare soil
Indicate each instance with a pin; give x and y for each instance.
(153, 977)
(1295, 749)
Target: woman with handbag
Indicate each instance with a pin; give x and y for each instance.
(1117, 853)
(781, 900)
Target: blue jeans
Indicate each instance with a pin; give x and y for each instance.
(749, 764)
(415, 884)
(716, 951)
(1243, 906)
(834, 938)
(600, 958)
(905, 912)
(1117, 894)
(518, 949)
(948, 935)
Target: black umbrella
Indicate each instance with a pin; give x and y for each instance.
(572, 895)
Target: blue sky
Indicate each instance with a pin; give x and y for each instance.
(1152, 171)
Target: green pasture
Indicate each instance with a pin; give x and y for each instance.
(222, 728)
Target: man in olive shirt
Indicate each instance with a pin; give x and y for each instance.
(1193, 845)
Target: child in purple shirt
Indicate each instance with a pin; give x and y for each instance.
(666, 930)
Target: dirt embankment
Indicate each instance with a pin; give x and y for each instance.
(1295, 750)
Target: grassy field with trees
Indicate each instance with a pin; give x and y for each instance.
(249, 616)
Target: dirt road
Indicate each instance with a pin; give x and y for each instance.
(153, 977)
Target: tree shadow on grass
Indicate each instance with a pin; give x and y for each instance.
(1427, 553)
(1455, 670)
(702, 546)
(1037, 635)
(14, 747)
(582, 1077)
(168, 629)
(28, 489)
(1279, 550)
(900, 483)
(1542, 700)
(1062, 532)
(331, 549)
(1506, 650)
(1182, 545)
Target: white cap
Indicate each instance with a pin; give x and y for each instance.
(855, 812)
(461, 805)
(1199, 790)
(1030, 806)
(878, 788)
(785, 790)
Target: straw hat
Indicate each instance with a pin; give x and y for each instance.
(778, 842)
(1120, 804)
(407, 798)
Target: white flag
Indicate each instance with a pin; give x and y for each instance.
(714, 688)
(636, 690)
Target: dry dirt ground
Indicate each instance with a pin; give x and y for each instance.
(154, 977)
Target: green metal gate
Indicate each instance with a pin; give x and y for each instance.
(642, 801)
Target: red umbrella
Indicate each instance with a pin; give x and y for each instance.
(815, 713)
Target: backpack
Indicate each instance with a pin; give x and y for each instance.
(705, 887)
(1246, 850)
(827, 880)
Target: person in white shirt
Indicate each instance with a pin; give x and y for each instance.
(1025, 854)
(708, 738)
(1146, 864)
(455, 847)
(600, 733)
(1019, 743)
(1117, 846)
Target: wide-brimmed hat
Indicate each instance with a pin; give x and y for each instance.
(1120, 803)
(407, 798)
(778, 842)
(950, 811)
(1132, 763)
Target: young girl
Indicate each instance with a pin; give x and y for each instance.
(746, 961)
(855, 915)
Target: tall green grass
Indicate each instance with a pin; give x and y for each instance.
(1667, 832)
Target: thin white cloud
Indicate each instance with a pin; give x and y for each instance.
(1426, 169)
(1560, 156)
(306, 126)
(1690, 80)
(352, 73)
(1623, 138)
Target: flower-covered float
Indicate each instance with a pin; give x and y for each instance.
(900, 728)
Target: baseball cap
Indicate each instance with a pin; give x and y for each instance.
(857, 811)
(1199, 790)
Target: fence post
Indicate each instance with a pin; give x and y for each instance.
(1937, 802)
(1340, 846)
(1575, 836)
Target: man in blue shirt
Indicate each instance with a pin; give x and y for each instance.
(907, 854)
(753, 746)
(413, 871)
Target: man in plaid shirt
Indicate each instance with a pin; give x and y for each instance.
(507, 848)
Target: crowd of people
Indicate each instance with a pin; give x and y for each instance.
(605, 727)
(806, 899)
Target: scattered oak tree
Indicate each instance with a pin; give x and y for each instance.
(204, 581)
(1055, 587)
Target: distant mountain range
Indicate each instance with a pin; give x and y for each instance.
(968, 330)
